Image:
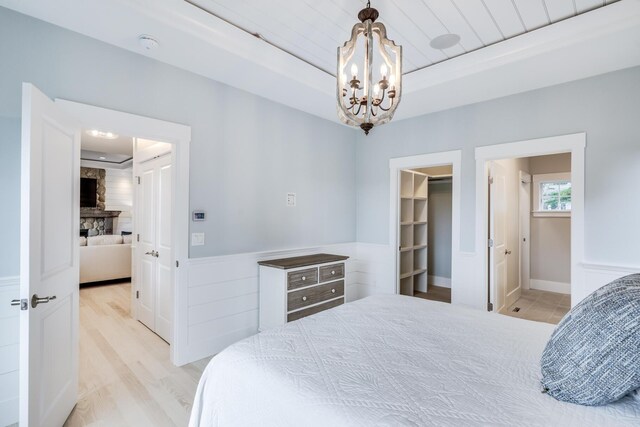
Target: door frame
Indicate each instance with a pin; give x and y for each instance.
(453, 158)
(524, 207)
(571, 143)
(179, 136)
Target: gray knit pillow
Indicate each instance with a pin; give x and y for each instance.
(593, 356)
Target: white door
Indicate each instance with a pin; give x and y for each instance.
(49, 273)
(524, 201)
(155, 272)
(498, 235)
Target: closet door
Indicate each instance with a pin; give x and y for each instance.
(164, 248)
(146, 226)
(155, 276)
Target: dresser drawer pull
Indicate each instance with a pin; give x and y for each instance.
(304, 298)
(304, 278)
(333, 272)
(333, 291)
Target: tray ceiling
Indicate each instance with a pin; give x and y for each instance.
(506, 46)
(312, 30)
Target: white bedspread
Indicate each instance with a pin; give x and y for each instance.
(391, 361)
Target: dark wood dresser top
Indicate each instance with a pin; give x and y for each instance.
(302, 261)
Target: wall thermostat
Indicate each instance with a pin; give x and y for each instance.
(199, 215)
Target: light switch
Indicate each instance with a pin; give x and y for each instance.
(197, 239)
(291, 199)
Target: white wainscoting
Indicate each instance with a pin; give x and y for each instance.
(595, 275)
(9, 350)
(223, 296)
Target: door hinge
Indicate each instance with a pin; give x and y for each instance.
(490, 180)
(177, 263)
(490, 243)
(137, 294)
(137, 237)
(138, 179)
(490, 306)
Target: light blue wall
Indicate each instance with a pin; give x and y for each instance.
(9, 196)
(246, 152)
(606, 107)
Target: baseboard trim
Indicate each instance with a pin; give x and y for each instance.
(549, 286)
(444, 282)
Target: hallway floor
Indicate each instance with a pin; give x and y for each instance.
(126, 377)
(540, 306)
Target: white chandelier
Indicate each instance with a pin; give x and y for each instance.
(369, 102)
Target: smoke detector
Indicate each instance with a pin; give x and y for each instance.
(147, 42)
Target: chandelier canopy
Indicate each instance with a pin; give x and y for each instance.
(368, 101)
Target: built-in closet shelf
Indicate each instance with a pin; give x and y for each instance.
(413, 217)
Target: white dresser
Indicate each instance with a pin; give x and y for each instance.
(292, 288)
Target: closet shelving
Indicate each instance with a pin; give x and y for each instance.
(414, 193)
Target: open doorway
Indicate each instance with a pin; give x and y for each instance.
(529, 234)
(425, 230)
(126, 210)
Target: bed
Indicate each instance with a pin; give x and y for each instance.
(392, 361)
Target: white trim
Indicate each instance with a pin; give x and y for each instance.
(551, 214)
(549, 286)
(444, 282)
(631, 269)
(453, 158)
(180, 136)
(573, 143)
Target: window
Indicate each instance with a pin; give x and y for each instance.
(552, 194)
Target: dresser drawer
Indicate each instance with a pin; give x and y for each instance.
(313, 310)
(301, 278)
(331, 272)
(314, 295)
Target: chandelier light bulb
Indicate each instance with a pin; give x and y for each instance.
(354, 70)
(383, 70)
(376, 90)
(392, 80)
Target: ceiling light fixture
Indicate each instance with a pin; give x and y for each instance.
(99, 134)
(370, 102)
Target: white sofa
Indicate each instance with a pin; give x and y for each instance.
(106, 257)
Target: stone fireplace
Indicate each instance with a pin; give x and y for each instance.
(96, 221)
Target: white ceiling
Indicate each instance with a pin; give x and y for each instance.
(599, 41)
(120, 145)
(312, 30)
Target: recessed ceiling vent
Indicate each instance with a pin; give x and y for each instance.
(147, 42)
(445, 41)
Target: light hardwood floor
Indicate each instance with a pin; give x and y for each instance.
(541, 306)
(126, 377)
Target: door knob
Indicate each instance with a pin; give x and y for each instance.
(35, 300)
(149, 253)
(156, 254)
(507, 252)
